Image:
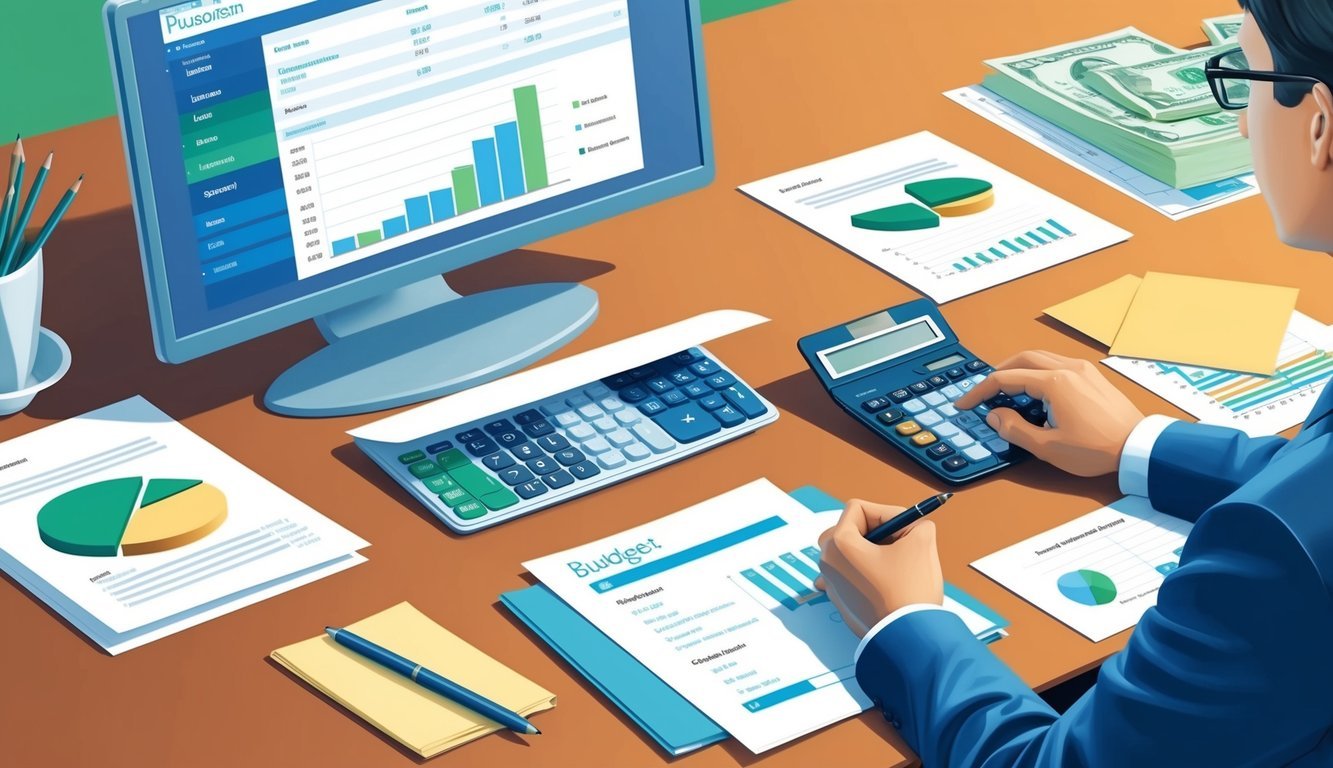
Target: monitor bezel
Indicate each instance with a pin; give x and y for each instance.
(171, 348)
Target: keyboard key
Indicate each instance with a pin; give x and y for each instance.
(652, 406)
(452, 458)
(946, 430)
(482, 447)
(497, 461)
(470, 435)
(1035, 414)
(515, 475)
(439, 447)
(688, 423)
(530, 490)
(981, 410)
(962, 440)
(983, 433)
(976, 365)
(424, 469)
(538, 428)
(578, 401)
(498, 426)
(567, 419)
(674, 398)
(569, 456)
(908, 428)
(552, 443)
(704, 368)
(947, 410)
(527, 417)
(976, 453)
(619, 381)
(696, 389)
(929, 419)
(552, 407)
(590, 411)
(597, 391)
(643, 373)
(525, 451)
(955, 373)
(998, 446)
(659, 384)
(1001, 401)
(634, 394)
(412, 457)
(922, 439)
(611, 459)
(475, 480)
(721, 380)
(605, 424)
(891, 416)
(543, 466)
(938, 381)
(596, 445)
(933, 399)
(919, 388)
(728, 416)
(681, 377)
(914, 406)
(654, 436)
(712, 401)
(954, 463)
(745, 400)
(508, 439)
(965, 385)
(977, 379)
(900, 395)
(939, 451)
(619, 438)
(558, 479)
(1022, 400)
(501, 499)
(636, 452)
(967, 420)
(951, 392)
(439, 483)
(685, 358)
(611, 404)
(582, 432)
(584, 470)
(876, 404)
(455, 496)
(627, 417)
(470, 510)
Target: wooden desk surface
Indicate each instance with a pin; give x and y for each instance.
(792, 85)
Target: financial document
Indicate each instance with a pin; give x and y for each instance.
(718, 601)
(890, 205)
(132, 527)
(1097, 574)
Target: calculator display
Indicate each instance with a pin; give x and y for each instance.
(947, 362)
(881, 347)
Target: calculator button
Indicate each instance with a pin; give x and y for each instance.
(983, 433)
(530, 489)
(712, 401)
(976, 365)
(977, 379)
(919, 388)
(937, 381)
(551, 443)
(946, 430)
(455, 496)
(914, 406)
(965, 385)
(951, 392)
(674, 398)
(981, 410)
(634, 394)
(525, 451)
(497, 461)
(584, 470)
(652, 406)
(611, 460)
(569, 456)
(876, 404)
(591, 411)
(627, 417)
(498, 426)
(538, 428)
(947, 410)
(900, 395)
(1035, 414)
(508, 439)
(527, 417)
(636, 452)
(470, 509)
(1022, 400)
(611, 404)
(619, 381)
(440, 483)
(891, 416)
(605, 424)
(653, 436)
(596, 445)
(962, 441)
(967, 420)
(475, 481)
(721, 380)
(696, 389)
(976, 453)
(453, 458)
(558, 479)
(582, 432)
(939, 451)
(923, 439)
(684, 358)
(543, 466)
(619, 438)
(515, 475)
(998, 446)
(481, 447)
(954, 463)
(412, 457)
(643, 373)
(1001, 401)
(578, 401)
(955, 373)
(567, 419)
(681, 377)
(596, 391)
(470, 435)
(704, 367)
(933, 398)
(929, 418)
(908, 428)
(659, 384)
(728, 416)
(688, 423)
(745, 400)
(499, 500)
(439, 447)
(552, 407)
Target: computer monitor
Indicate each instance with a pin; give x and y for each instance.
(331, 159)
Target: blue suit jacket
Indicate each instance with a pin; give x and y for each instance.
(1233, 667)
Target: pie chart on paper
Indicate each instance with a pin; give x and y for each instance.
(1090, 588)
(131, 516)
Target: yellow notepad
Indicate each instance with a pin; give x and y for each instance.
(1099, 312)
(420, 720)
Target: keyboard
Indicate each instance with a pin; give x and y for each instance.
(516, 462)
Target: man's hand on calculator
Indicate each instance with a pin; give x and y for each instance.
(1089, 419)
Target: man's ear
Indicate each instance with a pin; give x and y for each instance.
(1321, 128)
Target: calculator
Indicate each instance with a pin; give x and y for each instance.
(899, 372)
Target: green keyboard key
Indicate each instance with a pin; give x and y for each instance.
(475, 481)
(425, 469)
(470, 510)
(440, 484)
(413, 457)
(455, 496)
(499, 499)
(453, 458)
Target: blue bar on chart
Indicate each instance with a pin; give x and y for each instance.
(511, 160)
(770, 589)
(983, 257)
(1033, 236)
(488, 171)
(1011, 246)
(999, 254)
(395, 226)
(1059, 227)
(799, 565)
(812, 553)
(1023, 243)
(789, 581)
(970, 262)
(345, 245)
(442, 204)
(959, 267)
(1048, 233)
(418, 212)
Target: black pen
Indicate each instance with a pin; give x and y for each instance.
(891, 527)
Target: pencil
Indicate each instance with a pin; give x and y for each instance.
(4, 218)
(16, 159)
(52, 221)
(12, 250)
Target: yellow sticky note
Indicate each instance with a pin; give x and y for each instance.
(1099, 312)
(1208, 323)
(423, 721)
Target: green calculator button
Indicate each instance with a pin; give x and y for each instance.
(474, 480)
(413, 457)
(453, 458)
(455, 496)
(470, 510)
(440, 484)
(499, 499)
(424, 469)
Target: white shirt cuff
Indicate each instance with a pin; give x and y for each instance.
(1137, 450)
(892, 617)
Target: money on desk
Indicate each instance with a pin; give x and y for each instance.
(1166, 89)
(1223, 29)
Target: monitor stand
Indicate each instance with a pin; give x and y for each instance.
(424, 340)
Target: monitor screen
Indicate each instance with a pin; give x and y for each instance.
(295, 145)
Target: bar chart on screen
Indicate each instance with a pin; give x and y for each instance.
(401, 120)
(1257, 405)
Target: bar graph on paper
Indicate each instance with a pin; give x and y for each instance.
(943, 253)
(1255, 404)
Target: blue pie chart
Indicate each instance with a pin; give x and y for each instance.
(1086, 587)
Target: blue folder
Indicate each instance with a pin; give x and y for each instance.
(671, 720)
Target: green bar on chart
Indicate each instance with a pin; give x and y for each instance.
(465, 189)
(1048, 233)
(1023, 242)
(530, 140)
(998, 253)
(983, 257)
(1036, 238)
(368, 238)
(970, 262)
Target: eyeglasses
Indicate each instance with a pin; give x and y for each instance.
(1229, 77)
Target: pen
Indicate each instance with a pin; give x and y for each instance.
(431, 681)
(886, 530)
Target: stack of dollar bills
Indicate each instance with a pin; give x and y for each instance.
(1143, 101)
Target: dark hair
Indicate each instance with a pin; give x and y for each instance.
(1300, 35)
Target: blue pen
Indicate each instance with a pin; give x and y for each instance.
(431, 681)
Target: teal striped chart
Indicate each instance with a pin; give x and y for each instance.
(788, 579)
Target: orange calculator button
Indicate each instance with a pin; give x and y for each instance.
(908, 428)
(923, 438)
